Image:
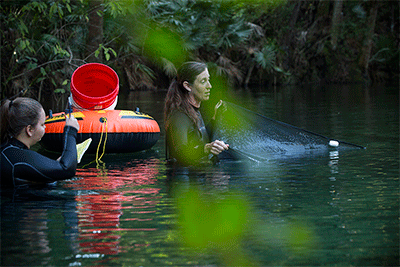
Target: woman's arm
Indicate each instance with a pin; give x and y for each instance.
(35, 167)
(184, 142)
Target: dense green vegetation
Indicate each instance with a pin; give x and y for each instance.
(249, 42)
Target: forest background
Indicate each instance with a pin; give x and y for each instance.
(259, 42)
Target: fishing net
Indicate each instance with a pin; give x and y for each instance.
(252, 135)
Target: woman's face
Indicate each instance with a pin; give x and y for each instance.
(38, 129)
(200, 89)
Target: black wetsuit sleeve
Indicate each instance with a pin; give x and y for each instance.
(32, 166)
(210, 126)
(69, 157)
(184, 141)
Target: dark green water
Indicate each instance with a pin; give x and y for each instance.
(334, 209)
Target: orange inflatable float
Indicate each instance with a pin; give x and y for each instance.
(117, 130)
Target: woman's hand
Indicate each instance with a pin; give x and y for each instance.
(71, 121)
(217, 106)
(215, 147)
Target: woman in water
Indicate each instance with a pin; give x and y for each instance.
(22, 126)
(188, 141)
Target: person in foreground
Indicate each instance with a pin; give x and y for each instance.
(22, 126)
(188, 142)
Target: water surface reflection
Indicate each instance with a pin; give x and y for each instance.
(113, 201)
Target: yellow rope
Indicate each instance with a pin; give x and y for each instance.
(98, 159)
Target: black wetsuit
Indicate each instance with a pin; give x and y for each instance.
(185, 140)
(18, 163)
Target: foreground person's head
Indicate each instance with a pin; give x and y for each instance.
(22, 116)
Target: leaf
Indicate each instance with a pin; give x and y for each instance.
(65, 82)
(69, 8)
(31, 66)
(22, 27)
(279, 70)
(266, 57)
(113, 51)
(41, 79)
(60, 12)
(22, 45)
(59, 90)
(32, 59)
(52, 9)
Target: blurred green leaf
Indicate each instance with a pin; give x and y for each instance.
(208, 222)
(163, 43)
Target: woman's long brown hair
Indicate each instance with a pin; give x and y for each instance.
(177, 96)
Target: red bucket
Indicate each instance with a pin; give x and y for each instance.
(94, 86)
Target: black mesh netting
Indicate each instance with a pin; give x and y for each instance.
(252, 135)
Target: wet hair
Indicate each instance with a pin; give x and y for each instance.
(177, 97)
(16, 114)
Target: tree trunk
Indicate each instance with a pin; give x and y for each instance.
(368, 41)
(288, 39)
(95, 31)
(336, 19)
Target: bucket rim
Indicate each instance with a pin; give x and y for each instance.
(114, 91)
(95, 64)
